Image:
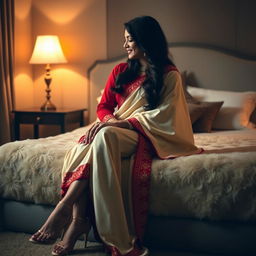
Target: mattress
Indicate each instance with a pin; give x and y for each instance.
(227, 141)
(219, 185)
(213, 185)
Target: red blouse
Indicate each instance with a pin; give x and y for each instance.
(110, 100)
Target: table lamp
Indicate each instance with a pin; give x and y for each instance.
(47, 51)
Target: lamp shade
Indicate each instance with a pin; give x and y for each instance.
(47, 50)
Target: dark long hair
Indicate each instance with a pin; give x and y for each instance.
(149, 37)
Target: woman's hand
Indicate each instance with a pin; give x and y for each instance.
(91, 133)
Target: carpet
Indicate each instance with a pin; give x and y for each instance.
(17, 244)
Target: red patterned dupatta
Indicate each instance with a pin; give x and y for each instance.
(141, 181)
(141, 173)
(141, 169)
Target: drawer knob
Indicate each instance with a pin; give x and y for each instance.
(38, 118)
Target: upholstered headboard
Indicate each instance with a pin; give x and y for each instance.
(209, 67)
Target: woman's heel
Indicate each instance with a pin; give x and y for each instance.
(87, 222)
(72, 235)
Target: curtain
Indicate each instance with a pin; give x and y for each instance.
(6, 69)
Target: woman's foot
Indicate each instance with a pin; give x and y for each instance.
(55, 223)
(77, 227)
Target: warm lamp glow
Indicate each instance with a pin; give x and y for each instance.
(48, 51)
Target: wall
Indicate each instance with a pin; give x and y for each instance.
(23, 82)
(81, 27)
(23, 71)
(227, 23)
(93, 29)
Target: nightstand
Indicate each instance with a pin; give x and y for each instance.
(35, 116)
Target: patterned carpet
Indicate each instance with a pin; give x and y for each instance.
(17, 244)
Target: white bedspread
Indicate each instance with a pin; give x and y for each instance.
(223, 140)
(214, 186)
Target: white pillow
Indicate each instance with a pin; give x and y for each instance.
(236, 110)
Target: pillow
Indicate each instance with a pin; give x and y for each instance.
(205, 111)
(253, 117)
(208, 112)
(237, 108)
(195, 111)
(188, 96)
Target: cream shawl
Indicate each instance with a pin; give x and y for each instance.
(168, 127)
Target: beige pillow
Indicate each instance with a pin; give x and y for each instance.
(237, 108)
(203, 112)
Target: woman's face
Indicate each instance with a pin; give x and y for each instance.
(133, 51)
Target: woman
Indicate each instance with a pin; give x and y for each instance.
(106, 176)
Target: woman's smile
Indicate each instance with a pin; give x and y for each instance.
(133, 51)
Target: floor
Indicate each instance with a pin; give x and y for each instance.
(17, 244)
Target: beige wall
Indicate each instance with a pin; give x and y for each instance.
(93, 29)
(81, 27)
(23, 81)
(24, 90)
(227, 23)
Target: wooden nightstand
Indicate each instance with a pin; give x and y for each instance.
(61, 117)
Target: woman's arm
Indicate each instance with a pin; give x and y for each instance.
(108, 102)
(106, 108)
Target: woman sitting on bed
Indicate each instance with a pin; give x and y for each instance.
(106, 176)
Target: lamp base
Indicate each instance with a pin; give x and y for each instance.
(48, 105)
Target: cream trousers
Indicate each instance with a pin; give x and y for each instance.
(110, 159)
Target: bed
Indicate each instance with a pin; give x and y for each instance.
(201, 203)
